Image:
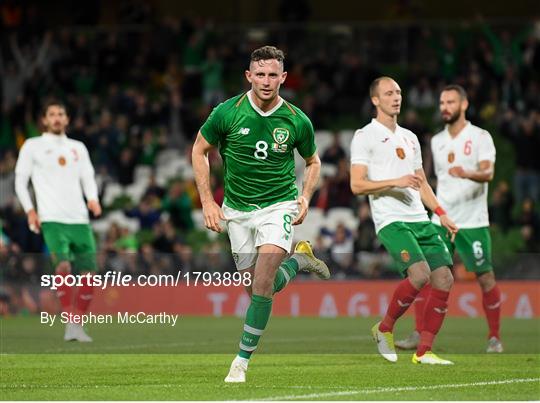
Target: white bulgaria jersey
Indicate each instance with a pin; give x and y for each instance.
(60, 170)
(390, 155)
(464, 200)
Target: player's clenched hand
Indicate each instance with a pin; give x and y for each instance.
(33, 221)
(452, 228)
(409, 181)
(212, 215)
(302, 210)
(94, 207)
(458, 172)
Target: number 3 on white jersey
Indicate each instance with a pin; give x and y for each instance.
(261, 148)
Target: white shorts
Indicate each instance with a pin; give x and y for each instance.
(250, 229)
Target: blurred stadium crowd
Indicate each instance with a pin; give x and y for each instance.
(138, 94)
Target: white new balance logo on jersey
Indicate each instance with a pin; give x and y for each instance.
(244, 130)
(403, 304)
(440, 310)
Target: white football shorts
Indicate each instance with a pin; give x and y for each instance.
(250, 229)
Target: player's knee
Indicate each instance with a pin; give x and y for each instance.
(63, 268)
(449, 280)
(263, 286)
(249, 275)
(418, 278)
(442, 279)
(486, 281)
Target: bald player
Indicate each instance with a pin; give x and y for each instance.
(386, 164)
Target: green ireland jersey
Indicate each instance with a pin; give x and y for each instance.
(258, 150)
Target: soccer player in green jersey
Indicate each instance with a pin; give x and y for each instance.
(256, 134)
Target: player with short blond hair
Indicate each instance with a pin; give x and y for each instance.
(386, 164)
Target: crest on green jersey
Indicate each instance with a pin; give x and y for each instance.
(280, 135)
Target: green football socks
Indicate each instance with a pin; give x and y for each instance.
(257, 317)
(260, 309)
(285, 273)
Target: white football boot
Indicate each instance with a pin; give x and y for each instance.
(75, 332)
(385, 343)
(494, 346)
(430, 358)
(237, 373)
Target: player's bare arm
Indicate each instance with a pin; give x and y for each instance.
(361, 185)
(430, 201)
(484, 173)
(201, 167)
(33, 221)
(94, 207)
(311, 177)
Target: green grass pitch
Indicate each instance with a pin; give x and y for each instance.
(298, 359)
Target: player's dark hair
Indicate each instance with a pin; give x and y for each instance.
(374, 86)
(267, 53)
(458, 88)
(57, 103)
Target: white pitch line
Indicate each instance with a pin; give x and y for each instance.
(399, 389)
(290, 397)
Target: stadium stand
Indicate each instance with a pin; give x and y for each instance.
(138, 94)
